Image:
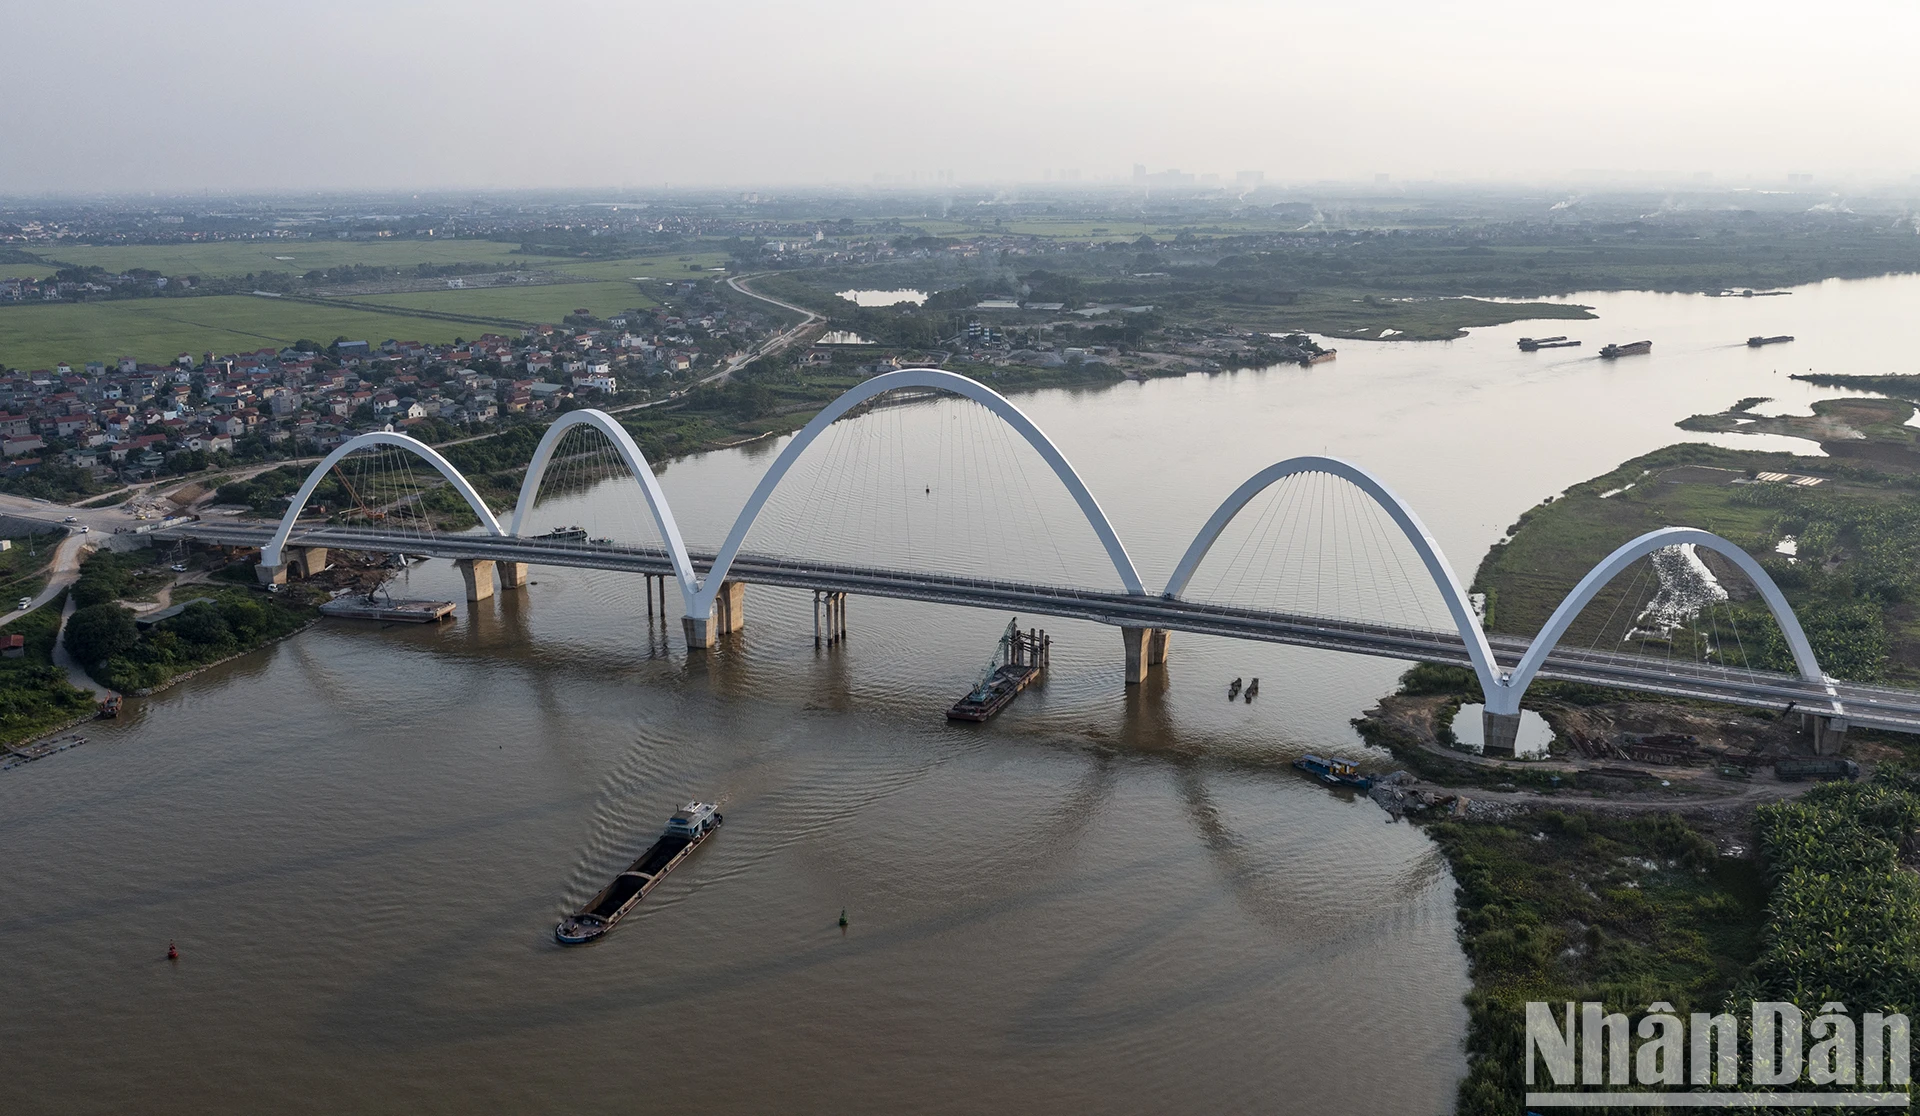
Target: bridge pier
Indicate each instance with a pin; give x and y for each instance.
(513, 575)
(1146, 648)
(478, 573)
(729, 615)
(1829, 733)
(270, 575)
(834, 608)
(309, 560)
(1500, 731)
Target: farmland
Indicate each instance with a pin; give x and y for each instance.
(157, 329)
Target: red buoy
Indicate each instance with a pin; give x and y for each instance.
(172, 953)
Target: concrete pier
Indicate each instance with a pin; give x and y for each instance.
(729, 615)
(513, 575)
(1146, 648)
(301, 562)
(1135, 641)
(1500, 731)
(309, 560)
(1829, 733)
(478, 573)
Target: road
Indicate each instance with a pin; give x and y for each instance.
(66, 569)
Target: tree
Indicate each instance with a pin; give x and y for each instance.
(202, 624)
(98, 632)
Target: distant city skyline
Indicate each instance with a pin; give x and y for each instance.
(121, 97)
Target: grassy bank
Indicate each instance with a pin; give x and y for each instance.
(1812, 903)
(1855, 581)
(1562, 906)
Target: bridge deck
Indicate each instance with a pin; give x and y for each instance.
(1873, 706)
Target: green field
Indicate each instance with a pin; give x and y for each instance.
(227, 258)
(534, 304)
(159, 329)
(652, 267)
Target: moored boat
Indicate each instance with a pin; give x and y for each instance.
(1337, 771)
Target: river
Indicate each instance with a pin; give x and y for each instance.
(1104, 900)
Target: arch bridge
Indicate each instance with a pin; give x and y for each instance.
(712, 584)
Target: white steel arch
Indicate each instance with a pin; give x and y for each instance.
(636, 462)
(270, 554)
(1410, 524)
(1507, 699)
(701, 604)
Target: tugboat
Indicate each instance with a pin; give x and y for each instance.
(689, 826)
(1336, 771)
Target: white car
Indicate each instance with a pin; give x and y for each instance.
(84, 529)
(26, 603)
(71, 519)
(178, 568)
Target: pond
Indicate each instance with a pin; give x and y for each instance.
(1531, 743)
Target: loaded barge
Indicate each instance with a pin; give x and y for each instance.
(1756, 342)
(1020, 658)
(689, 826)
(1631, 348)
(1533, 344)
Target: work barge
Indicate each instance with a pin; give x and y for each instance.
(1019, 660)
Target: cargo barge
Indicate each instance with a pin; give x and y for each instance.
(1631, 348)
(1017, 662)
(1338, 772)
(1532, 344)
(405, 612)
(1756, 342)
(690, 825)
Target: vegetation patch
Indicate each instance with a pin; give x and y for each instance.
(120, 656)
(35, 696)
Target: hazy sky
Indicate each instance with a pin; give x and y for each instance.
(135, 95)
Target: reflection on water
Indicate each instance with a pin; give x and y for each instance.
(1533, 741)
(1108, 899)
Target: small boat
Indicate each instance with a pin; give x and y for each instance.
(1253, 688)
(1233, 691)
(110, 706)
(1631, 348)
(690, 825)
(1336, 771)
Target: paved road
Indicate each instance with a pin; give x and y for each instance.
(65, 661)
(66, 568)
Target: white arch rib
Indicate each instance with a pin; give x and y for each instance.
(271, 554)
(636, 463)
(1438, 568)
(701, 604)
(1508, 698)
